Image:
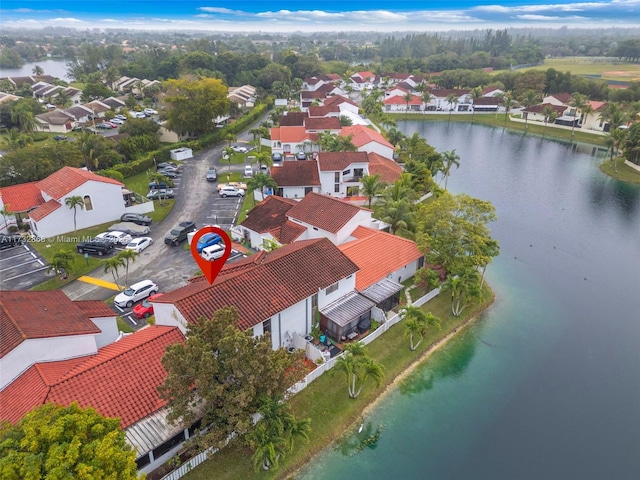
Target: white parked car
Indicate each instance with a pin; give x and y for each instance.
(135, 293)
(139, 244)
(117, 121)
(248, 171)
(231, 192)
(213, 252)
(239, 149)
(115, 236)
(139, 115)
(150, 111)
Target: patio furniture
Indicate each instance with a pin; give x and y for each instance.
(352, 335)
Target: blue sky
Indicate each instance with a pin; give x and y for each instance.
(319, 15)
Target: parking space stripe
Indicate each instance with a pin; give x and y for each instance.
(18, 265)
(99, 282)
(24, 274)
(15, 256)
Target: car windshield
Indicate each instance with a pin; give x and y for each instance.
(146, 303)
(128, 292)
(175, 232)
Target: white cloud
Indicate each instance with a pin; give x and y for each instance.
(549, 17)
(227, 11)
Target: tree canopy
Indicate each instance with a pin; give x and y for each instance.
(194, 104)
(54, 442)
(223, 373)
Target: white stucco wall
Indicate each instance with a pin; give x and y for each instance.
(296, 192)
(405, 272)
(167, 314)
(345, 286)
(362, 218)
(109, 328)
(35, 350)
(375, 147)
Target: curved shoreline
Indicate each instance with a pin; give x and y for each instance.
(424, 356)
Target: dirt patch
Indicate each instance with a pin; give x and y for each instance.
(619, 73)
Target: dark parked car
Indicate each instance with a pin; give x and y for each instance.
(155, 186)
(136, 218)
(59, 138)
(179, 233)
(96, 245)
(169, 173)
(8, 241)
(156, 194)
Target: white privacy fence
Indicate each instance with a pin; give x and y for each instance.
(317, 372)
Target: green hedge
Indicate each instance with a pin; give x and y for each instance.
(163, 154)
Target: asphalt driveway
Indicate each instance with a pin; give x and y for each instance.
(22, 268)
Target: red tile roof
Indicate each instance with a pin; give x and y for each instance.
(399, 100)
(365, 75)
(388, 170)
(33, 314)
(291, 135)
(268, 214)
(338, 161)
(264, 284)
(105, 381)
(338, 99)
(323, 111)
(288, 232)
(313, 95)
(363, 135)
(45, 209)
(21, 198)
(322, 123)
(562, 97)
(328, 213)
(293, 119)
(297, 174)
(67, 179)
(371, 253)
(94, 308)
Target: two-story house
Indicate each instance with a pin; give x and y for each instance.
(341, 172)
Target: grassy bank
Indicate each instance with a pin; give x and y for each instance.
(326, 403)
(532, 128)
(624, 172)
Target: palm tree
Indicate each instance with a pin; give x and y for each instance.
(372, 186)
(578, 101)
(258, 182)
(227, 154)
(22, 115)
(229, 138)
(72, 203)
(507, 100)
(268, 447)
(616, 139)
(37, 70)
(112, 265)
(358, 368)
(463, 289)
(530, 98)
(549, 116)
(407, 99)
(263, 158)
(61, 263)
(394, 136)
(587, 110)
(127, 256)
(417, 322)
(426, 98)
(160, 179)
(450, 159)
(476, 93)
(5, 213)
(452, 99)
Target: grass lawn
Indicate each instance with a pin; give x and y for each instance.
(625, 173)
(533, 128)
(588, 66)
(326, 403)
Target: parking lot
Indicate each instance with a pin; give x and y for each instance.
(22, 268)
(223, 211)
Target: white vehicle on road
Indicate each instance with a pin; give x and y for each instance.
(139, 244)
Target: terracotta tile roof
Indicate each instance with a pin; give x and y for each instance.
(43, 210)
(338, 161)
(33, 314)
(378, 254)
(97, 106)
(67, 179)
(291, 135)
(289, 232)
(323, 123)
(363, 135)
(596, 105)
(328, 213)
(388, 170)
(268, 214)
(399, 100)
(323, 111)
(338, 99)
(312, 95)
(56, 117)
(562, 97)
(331, 77)
(266, 283)
(293, 119)
(559, 109)
(297, 174)
(94, 308)
(105, 381)
(365, 75)
(21, 198)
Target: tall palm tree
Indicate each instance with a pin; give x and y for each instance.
(426, 98)
(578, 101)
(452, 99)
(372, 186)
(394, 136)
(358, 367)
(258, 182)
(416, 323)
(268, 447)
(463, 288)
(74, 202)
(476, 93)
(530, 98)
(450, 159)
(407, 99)
(37, 70)
(507, 100)
(112, 265)
(61, 263)
(549, 116)
(127, 256)
(617, 137)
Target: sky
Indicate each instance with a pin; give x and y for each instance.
(319, 15)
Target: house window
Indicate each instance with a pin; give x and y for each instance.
(308, 190)
(266, 326)
(346, 172)
(336, 177)
(88, 205)
(332, 288)
(336, 188)
(358, 172)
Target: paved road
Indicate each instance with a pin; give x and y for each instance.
(197, 200)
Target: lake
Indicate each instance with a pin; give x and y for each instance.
(56, 68)
(547, 384)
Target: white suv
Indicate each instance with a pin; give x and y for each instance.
(134, 293)
(231, 192)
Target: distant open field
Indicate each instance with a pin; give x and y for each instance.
(607, 68)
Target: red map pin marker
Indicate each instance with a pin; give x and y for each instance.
(212, 268)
